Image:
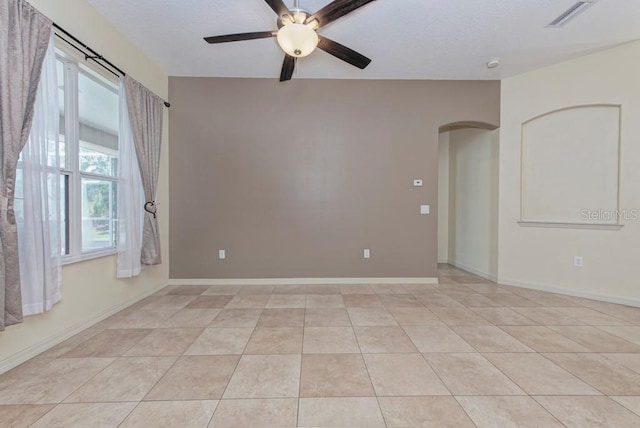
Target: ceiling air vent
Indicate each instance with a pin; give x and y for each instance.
(571, 13)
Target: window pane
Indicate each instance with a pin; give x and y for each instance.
(61, 85)
(99, 213)
(98, 111)
(64, 206)
(97, 161)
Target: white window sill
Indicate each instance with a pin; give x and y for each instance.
(552, 225)
(67, 260)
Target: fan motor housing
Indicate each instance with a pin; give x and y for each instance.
(298, 15)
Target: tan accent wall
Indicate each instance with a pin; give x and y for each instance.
(294, 180)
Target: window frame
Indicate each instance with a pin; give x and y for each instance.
(72, 172)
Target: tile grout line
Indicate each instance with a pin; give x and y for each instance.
(304, 326)
(130, 412)
(366, 366)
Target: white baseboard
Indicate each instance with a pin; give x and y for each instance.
(301, 281)
(569, 292)
(481, 274)
(38, 348)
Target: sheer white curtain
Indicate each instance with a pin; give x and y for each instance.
(39, 229)
(130, 197)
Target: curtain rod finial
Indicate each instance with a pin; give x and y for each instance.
(167, 104)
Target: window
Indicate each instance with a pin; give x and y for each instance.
(89, 122)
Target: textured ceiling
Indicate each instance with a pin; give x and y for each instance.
(407, 39)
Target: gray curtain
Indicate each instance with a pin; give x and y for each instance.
(24, 38)
(145, 112)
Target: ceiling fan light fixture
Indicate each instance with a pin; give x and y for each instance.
(297, 40)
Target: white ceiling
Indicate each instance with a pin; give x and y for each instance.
(407, 39)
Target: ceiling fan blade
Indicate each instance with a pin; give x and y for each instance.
(288, 66)
(344, 53)
(240, 37)
(278, 7)
(335, 10)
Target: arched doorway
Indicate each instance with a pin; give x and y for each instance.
(468, 197)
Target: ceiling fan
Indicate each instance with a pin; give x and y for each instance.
(298, 36)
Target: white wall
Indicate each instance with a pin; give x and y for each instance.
(543, 257)
(570, 161)
(473, 201)
(90, 289)
(443, 197)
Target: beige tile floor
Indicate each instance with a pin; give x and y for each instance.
(466, 352)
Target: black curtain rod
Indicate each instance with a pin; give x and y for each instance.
(92, 55)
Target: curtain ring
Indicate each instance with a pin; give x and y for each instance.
(151, 211)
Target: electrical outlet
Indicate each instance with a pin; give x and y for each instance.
(222, 254)
(577, 261)
(366, 254)
(425, 209)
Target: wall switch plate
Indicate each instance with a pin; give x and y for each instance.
(222, 254)
(417, 182)
(578, 262)
(366, 253)
(425, 209)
